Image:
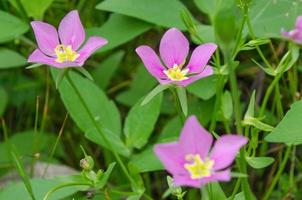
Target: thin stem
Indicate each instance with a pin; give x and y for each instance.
(47, 195)
(236, 188)
(178, 106)
(219, 90)
(36, 139)
(292, 168)
(55, 145)
(268, 93)
(251, 31)
(117, 157)
(279, 172)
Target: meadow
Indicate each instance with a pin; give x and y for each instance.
(150, 99)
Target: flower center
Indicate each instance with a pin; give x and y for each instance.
(65, 53)
(197, 167)
(176, 73)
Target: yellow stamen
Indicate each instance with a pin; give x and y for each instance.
(65, 53)
(197, 167)
(176, 73)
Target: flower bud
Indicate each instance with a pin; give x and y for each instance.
(87, 163)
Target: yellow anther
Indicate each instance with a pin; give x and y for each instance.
(176, 73)
(197, 167)
(65, 53)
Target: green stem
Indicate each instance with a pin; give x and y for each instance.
(117, 157)
(55, 146)
(219, 90)
(251, 31)
(47, 195)
(178, 106)
(268, 93)
(279, 172)
(236, 188)
(292, 169)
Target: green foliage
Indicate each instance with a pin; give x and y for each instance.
(204, 88)
(105, 71)
(289, 129)
(11, 27)
(140, 122)
(40, 187)
(26, 148)
(33, 8)
(114, 30)
(105, 116)
(3, 101)
(11, 59)
(269, 17)
(160, 12)
(259, 162)
(142, 83)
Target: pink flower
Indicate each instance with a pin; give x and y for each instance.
(191, 160)
(296, 34)
(62, 48)
(174, 48)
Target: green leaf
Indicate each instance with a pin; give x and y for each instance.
(3, 100)
(84, 72)
(114, 30)
(269, 17)
(105, 115)
(259, 162)
(216, 192)
(9, 58)
(106, 175)
(141, 85)
(257, 123)
(16, 158)
(227, 105)
(60, 76)
(204, 88)
(140, 122)
(251, 108)
(146, 161)
(182, 96)
(290, 128)
(16, 190)
(160, 12)
(171, 130)
(11, 27)
(107, 68)
(206, 32)
(158, 89)
(33, 8)
(211, 7)
(266, 69)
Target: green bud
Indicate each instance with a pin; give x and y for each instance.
(87, 163)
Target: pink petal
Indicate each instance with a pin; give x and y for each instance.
(194, 139)
(151, 61)
(208, 71)
(224, 175)
(299, 22)
(46, 37)
(92, 44)
(171, 156)
(174, 47)
(225, 150)
(200, 57)
(38, 57)
(71, 30)
(186, 181)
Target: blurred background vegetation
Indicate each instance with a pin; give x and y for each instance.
(32, 112)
